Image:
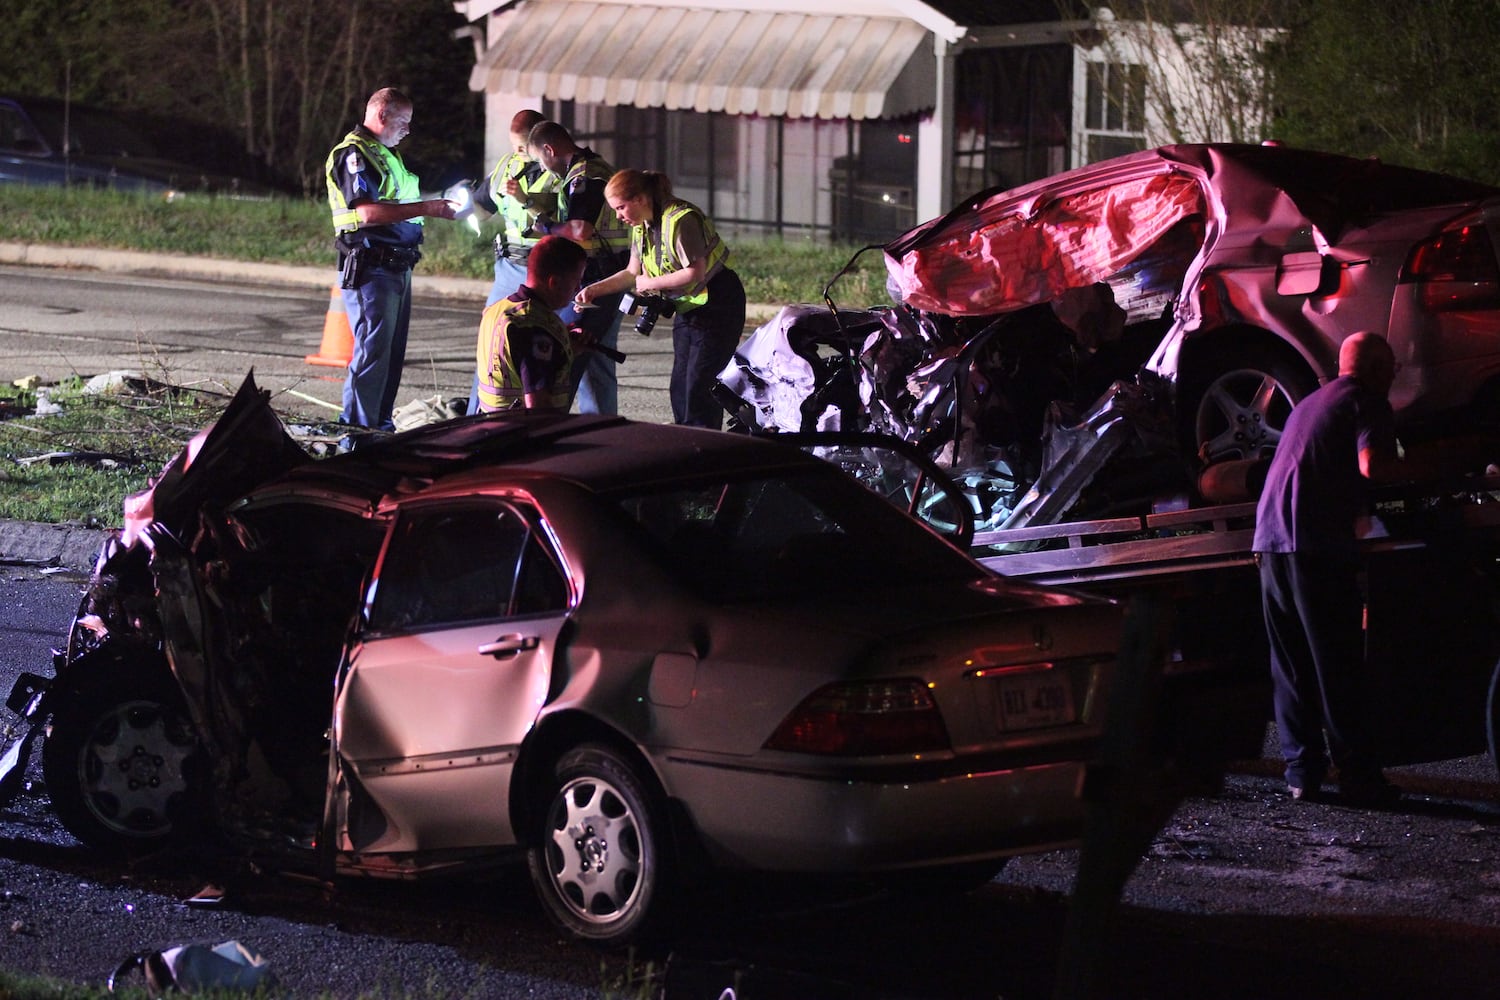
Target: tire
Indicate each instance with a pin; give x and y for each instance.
(120, 761)
(599, 864)
(1239, 401)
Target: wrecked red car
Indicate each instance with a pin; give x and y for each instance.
(1091, 342)
(631, 654)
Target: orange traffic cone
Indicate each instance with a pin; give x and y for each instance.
(338, 340)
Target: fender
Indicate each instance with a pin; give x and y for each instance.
(29, 699)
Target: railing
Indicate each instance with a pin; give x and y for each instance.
(1221, 536)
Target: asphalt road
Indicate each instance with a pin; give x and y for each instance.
(206, 333)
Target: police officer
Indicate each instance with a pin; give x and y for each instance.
(377, 216)
(676, 254)
(583, 216)
(519, 190)
(525, 354)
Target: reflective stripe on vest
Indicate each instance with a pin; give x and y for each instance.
(499, 377)
(658, 259)
(610, 234)
(512, 213)
(396, 182)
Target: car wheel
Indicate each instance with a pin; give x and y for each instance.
(119, 762)
(599, 864)
(1240, 404)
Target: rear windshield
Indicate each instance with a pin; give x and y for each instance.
(814, 532)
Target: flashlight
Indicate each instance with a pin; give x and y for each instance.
(463, 204)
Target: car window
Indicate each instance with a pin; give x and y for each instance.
(85, 131)
(808, 533)
(463, 564)
(17, 134)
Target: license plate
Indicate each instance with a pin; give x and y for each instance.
(1033, 700)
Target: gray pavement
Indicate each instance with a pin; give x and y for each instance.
(74, 546)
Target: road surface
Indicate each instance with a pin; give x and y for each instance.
(58, 324)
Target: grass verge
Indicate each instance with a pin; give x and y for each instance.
(297, 231)
(79, 464)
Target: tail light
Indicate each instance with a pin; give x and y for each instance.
(864, 719)
(1456, 269)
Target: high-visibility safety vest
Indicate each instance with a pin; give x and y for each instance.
(540, 191)
(396, 182)
(610, 234)
(499, 376)
(659, 253)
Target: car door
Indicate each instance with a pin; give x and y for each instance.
(447, 677)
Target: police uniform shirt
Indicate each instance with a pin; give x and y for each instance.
(585, 195)
(360, 183)
(535, 350)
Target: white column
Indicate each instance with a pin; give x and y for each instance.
(935, 141)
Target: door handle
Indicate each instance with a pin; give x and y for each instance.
(508, 645)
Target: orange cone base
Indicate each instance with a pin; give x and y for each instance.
(338, 340)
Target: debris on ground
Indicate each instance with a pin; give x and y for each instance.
(427, 411)
(97, 459)
(228, 965)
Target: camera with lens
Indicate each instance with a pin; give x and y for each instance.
(650, 307)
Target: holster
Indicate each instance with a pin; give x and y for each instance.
(355, 264)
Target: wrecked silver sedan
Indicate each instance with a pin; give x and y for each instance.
(1090, 343)
(627, 652)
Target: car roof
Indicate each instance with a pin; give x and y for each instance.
(465, 454)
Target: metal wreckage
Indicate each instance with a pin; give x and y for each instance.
(1098, 342)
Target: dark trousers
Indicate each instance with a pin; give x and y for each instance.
(595, 379)
(1313, 612)
(379, 315)
(703, 342)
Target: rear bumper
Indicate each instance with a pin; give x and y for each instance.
(781, 822)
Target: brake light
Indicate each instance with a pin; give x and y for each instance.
(1456, 269)
(864, 719)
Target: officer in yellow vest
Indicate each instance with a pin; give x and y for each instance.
(677, 256)
(377, 218)
(525, 354)
(584, 217)
(519, 190)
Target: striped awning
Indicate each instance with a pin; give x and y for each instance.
(771, 63)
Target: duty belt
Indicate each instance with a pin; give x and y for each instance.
(511, 251)
(394, 258)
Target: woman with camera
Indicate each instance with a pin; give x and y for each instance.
(678, 267)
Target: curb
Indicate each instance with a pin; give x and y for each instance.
(70, 546)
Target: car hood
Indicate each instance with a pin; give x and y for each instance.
(1003, 250)
(246, 446)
